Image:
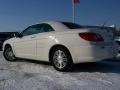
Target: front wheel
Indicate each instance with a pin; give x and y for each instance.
(61, 59)
(8, 54)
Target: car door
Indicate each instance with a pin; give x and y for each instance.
(43, 41)
(25, 46)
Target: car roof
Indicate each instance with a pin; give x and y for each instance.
(57, 25)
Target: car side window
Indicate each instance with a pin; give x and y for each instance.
(30, 30)
(46, 27)
(38, 28)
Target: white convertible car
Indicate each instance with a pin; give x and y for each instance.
(61, 43)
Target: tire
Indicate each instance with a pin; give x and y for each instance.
(61, 59)
(8, 54)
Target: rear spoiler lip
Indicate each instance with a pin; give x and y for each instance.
(101, 27)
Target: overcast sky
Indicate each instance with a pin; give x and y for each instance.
(18, 14)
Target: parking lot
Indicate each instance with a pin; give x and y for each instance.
(33, 75)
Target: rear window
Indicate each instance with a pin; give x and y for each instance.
(72, 25)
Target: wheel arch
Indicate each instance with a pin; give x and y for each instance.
(6, 49)
(58, 45)
(6, 45)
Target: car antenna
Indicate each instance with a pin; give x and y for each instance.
(105, 22)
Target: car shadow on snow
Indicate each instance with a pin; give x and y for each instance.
(34, 61)
(106, 66)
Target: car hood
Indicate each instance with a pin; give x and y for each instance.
(9, 40)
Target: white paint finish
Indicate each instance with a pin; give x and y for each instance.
(93, 53)
(81, 51)
(58, 26)
(25, 47)
(43, 45)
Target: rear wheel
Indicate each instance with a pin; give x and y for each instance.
(61, 59)
(8, 54)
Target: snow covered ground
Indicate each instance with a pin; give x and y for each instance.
(25, 75)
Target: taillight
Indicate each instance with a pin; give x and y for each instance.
(89, 36)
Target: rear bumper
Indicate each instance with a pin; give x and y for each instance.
(93, 53)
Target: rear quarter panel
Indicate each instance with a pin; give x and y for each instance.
(79, 48)
(46, 41)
